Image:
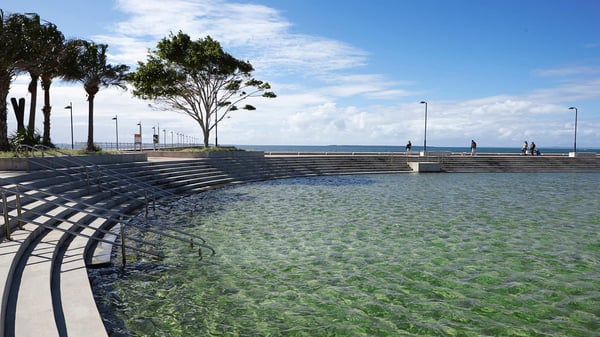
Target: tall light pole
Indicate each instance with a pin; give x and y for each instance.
(116, 130)
(425, 138)
(575, 141)
(140, 125)
(70, 107)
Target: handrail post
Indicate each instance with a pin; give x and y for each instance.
(146, 202)
(5, 212)
(87, 181)
(18, 205)
(123, 256)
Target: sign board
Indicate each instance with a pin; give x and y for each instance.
(137, 138)
(155, 139)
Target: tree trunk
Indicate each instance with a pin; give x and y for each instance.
(19, 108)
(33, 90)
(46, 137)
(206, 136)
(46, 109)
(90, 140)
(4, 86)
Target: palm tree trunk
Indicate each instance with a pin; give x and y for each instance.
(47, 108)
(90, 140)
(4, 86)
(33, 90)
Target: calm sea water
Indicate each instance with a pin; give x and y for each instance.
(378, 255)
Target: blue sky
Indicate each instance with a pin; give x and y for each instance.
(353, 72)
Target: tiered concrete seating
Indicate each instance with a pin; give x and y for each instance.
(516, 163)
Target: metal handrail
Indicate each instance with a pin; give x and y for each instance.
(86, 208)
(102, 172)
(112, 215)
(114, 173)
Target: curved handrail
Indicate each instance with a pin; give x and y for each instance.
(115, 174)
(112, 215)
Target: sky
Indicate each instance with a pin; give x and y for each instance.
(353, 72)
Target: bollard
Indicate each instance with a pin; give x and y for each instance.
(5, 211)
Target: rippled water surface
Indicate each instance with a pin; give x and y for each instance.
(380, 255)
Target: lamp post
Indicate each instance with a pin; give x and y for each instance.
(116, 130)
(70, 107)
(154, 138)
(425, 138)
(140, 125)
(575, 140)
(165, 137)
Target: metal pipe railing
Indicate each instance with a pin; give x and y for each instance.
(108, 214)
(88, 209)
(113, 187)
(113, 173)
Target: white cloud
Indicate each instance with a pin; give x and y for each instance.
(326, 94)
(567, 71)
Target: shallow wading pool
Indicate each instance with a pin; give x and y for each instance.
(377, 255)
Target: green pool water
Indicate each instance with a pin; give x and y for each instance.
(378, 255)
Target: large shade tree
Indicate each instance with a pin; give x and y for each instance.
(86, 62)
(197, 78)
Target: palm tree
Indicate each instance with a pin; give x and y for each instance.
(9, 59)
(86, 62)
(51, 66)
(30, 44)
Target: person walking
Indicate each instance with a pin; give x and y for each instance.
(408, 147)
(532, 149)
(473, 147)
(524, 148)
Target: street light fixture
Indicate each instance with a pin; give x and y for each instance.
(575, 140)
(425, 138)
(70, 107)
(116, 130)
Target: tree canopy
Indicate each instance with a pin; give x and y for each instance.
(197, 78)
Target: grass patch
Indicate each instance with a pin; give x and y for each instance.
(54, 153)
(204, 149)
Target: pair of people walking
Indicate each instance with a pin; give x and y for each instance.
(533, 150)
